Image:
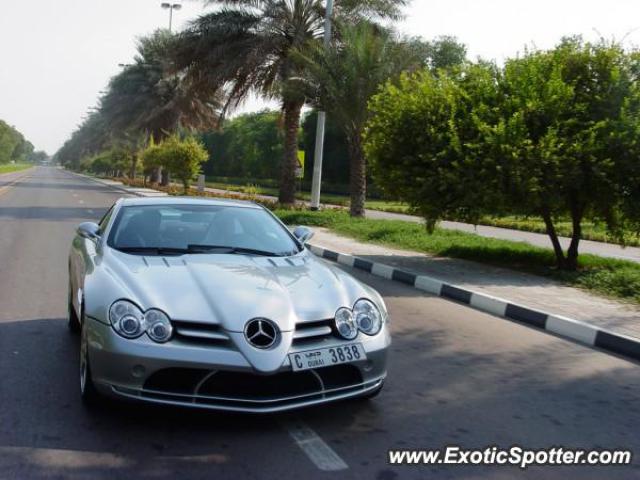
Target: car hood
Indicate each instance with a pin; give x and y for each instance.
(228, 290)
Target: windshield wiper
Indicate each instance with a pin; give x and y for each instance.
(230, 250)
(154, 250)
(199, 249)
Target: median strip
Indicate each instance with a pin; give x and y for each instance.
(568, 328)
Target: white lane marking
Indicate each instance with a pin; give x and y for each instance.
(74, 194)
(314, 447)
(89, 211)
(80, 201)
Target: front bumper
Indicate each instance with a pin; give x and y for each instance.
(221, 378)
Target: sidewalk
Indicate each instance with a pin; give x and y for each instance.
(602, 249)
(528, 290)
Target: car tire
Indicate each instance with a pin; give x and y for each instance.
(73, 321)
(88, 392)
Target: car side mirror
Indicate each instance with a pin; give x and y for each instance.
(89, 230)
(303, 234)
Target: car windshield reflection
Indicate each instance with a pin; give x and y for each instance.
(199, 229)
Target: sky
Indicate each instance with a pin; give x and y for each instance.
(56, 56)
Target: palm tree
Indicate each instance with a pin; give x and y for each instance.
(346, 75)
(146, 99)
(248, 45)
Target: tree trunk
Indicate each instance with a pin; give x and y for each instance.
(166, 178)
(571, 262)
(287, 194)
(553, 235)
(357, 176)
(134, 164)
(155, 175)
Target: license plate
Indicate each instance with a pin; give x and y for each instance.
(326, 357)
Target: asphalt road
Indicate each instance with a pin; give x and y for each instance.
(456, 376)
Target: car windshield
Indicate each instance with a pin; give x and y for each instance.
(199, 229)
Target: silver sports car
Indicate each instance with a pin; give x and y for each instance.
(216, 304)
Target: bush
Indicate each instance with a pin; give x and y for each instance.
(182, 158)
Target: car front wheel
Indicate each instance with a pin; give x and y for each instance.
(88, 391)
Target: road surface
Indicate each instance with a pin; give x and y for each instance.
(457, 376)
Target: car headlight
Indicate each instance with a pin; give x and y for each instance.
(345, 323)
(127, 319)
(367, 317)
(159, 326)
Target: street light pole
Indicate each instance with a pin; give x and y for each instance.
(320, 128)
(171, 7)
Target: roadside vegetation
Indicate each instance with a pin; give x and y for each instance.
(14, 167)
(552, 134)
(545, 142)
(610, 277)
(595, 231)
(16, 150)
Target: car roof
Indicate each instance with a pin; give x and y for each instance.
(226, 202)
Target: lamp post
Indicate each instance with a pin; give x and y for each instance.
(171, 7)
(322, 118)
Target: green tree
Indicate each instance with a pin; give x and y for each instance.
(13, 146)
(90, 138)
(113, 162)
(248, 45)
(426, 145)
(151, 158)
(182, 158)
(564, 123)
(346, 76)
(148, 98)
(553, 134)
(444, 52)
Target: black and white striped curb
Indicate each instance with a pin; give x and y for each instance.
(564, 327)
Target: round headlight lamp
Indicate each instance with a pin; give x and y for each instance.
(367, 317)
(127, 319)
(159, 326)
(345, 324)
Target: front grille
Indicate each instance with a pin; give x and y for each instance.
(204, 333)
(254, 387)
(247, 390)
(176, 380)
(313, 331)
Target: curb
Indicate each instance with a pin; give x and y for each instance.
(564, 327)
